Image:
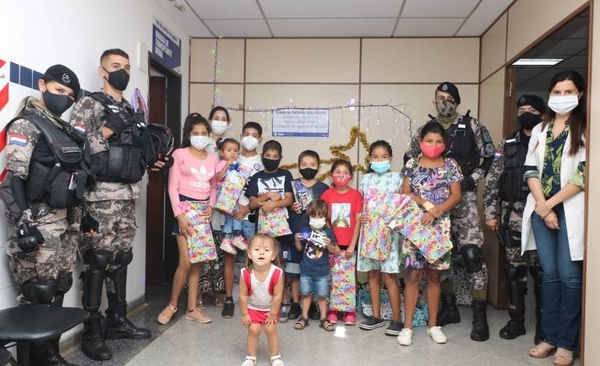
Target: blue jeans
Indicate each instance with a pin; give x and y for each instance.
(561, 309)
(231, 225)
(318, 285)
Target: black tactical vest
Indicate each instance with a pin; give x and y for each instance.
(60, 166)
(462, 145)
(127, 157)
(511, 185)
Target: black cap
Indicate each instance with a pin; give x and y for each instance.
(533, 101)
(448, 87)
(65, 76)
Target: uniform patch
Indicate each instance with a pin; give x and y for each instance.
(498, 154)
(80, 128)
(17, 139)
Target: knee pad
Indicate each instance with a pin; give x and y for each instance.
(97, 259)
(64, 282)
(123, 258)
(537, 273)
(515, 274)
(40, 291)
(472, 257)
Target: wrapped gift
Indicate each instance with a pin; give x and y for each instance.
(273, 223)
(201, 245)
(342, 293)
(231, 188)
(388, 210)
(302, 195)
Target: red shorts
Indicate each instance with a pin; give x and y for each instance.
(259, 317)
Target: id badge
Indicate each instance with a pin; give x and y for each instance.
(285, 254)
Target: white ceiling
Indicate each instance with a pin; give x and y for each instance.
(334, 18)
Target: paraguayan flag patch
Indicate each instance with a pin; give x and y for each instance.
(17, 139)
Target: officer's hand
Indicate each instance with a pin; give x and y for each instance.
(89, 225)
(115, 123)
(492, 224)
(29, 238)
(468, 183)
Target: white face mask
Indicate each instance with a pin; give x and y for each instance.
(249, 143)
(200, 142)
(219, 127)
(563, 104)
(316, 223)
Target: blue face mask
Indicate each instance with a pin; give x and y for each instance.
(380, 167)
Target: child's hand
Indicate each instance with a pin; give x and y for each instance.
(298, 238)
(241, 212)
(436, 212)
(208, 212)
(297, 207)
(184, 225)
(274, 196)
(362, 218)
(271, 318)
(427, 218)
(327, 241)
(267, 206)
(348, 253)
(246, 321)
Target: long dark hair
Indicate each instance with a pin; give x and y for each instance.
(190, 121)
(578, 119)
(379, 143)
(215, 110)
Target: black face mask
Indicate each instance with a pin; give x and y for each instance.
(56, 103)
(118, 79)
(529, 120)
(308, 173)
(271, 164)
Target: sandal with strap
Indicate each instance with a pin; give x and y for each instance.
(301, 324)
(542, 350)
(563, 357)
(327, 325)
(276, 361)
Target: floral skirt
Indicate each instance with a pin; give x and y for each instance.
(211, 273)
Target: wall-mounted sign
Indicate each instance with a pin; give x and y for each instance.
(301, 122)
(166, 46)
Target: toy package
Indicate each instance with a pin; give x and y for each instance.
(201, 245)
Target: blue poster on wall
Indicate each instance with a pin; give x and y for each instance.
(166, 46)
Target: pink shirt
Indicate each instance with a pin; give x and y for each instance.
(192, 177)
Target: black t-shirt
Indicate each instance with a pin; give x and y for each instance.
(279, 181)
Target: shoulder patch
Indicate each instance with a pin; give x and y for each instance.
(498, 154)
(17, 139)
(80, 127)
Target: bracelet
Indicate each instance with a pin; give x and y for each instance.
(428, 205)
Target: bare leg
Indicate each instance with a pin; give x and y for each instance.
(228, 266)
(295, 289)
(375, 292)
(411, 295)
(182, 271)
(272, 338)
(322, 301)
(193, 279)
(306, 301)
(252, 341)
(391, 283)
(434, 291)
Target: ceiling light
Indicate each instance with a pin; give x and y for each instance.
(537, 61)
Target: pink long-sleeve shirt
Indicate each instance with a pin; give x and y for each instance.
(192, 177)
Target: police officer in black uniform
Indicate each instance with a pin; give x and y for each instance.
(505, 186)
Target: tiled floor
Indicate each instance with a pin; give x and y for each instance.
(222, 343)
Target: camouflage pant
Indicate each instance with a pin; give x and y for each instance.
(513, 247)
(57, 255)
(116, 230)
(466, 230)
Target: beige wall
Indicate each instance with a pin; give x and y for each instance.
(273, 73)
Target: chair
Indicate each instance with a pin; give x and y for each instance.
(5, 356)
(24, 324)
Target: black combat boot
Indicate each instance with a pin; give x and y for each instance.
(481, 331)
(117, 324)
(448, 313)
(45, 353)
(516, 278)
(93, 344)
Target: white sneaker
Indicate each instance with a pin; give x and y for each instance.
(437, 335)
(405, 337)
(249, 361)
(276, 361)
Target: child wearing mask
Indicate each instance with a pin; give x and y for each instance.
(315, 241)
(306, 189)
(270, 193)
(344, 204)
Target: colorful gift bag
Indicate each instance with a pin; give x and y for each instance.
(231, 188)
(201, 245)
(342, 293)
(273, 223)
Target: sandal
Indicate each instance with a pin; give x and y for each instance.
(327, 325)
(218, 302)
(301, 324)
(563, 357)
(542, 350)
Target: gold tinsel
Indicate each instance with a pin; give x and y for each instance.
(338, 152)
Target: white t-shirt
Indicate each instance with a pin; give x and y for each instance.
(255, 163)
(260, 299)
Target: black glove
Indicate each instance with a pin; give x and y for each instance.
(89, 224)
(168, 162)
(468, 183)
(115, 123)
(29, 238)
